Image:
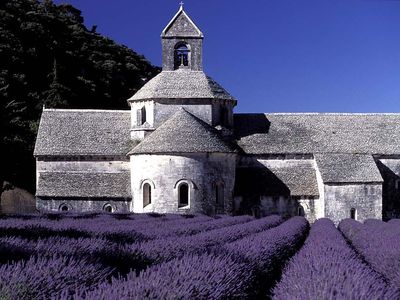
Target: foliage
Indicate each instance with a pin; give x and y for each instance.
(48, 57)
(327, 268)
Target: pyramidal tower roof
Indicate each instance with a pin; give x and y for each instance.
(181, 84)
(181, 25)
(183, 133)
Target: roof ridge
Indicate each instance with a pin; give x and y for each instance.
(175, 17)
(322, 113)
(85, 110)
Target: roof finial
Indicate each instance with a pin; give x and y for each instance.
(181, 4)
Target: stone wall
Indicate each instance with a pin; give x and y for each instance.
(138, 132)
(267, 194)
(390, 171)
(341, 198)
(164, 109)
(82, 164)
(195, 56)
(165, 172)
(83, 205)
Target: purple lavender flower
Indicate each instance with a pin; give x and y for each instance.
(327, 268)
(379, 245)
(190, 277)
(42, 278)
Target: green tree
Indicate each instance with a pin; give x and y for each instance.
(49, 58)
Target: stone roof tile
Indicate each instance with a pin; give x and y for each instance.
(183, 133)
(181, 84)
(84, 184)
(318, 133)
(83, 132)
(277, 181)
(347, 168)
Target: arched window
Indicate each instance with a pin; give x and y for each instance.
(181, 56)
(183, 195)
(108, 208)
(64, 207)
(146, 194)
(300, 211)
(353, 213)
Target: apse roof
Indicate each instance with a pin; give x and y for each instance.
(183, 133)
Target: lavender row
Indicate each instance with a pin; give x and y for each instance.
(268, 250)
(162, 250)
(395, 222)
(215, 275)
(179, 229)
(393, 226)
(380, 247)
(115, 255)
(44, 278)
(327, 268)
(104, 226)
(190, 277)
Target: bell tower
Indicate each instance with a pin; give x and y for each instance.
(182, 44)
(181, 84)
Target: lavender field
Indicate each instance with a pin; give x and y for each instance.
(110, 256)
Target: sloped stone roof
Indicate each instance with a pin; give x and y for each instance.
(84, 184)
(181, 84)
(347, 168)
(181, 25)
(318, 133)
(83, 132)
(183, 133)
(277, 181)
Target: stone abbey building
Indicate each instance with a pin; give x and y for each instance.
(181, 149)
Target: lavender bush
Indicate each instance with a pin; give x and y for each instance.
(394, 222)
(327, 268)
(179, 229)
(190, 277)
(268, 250)
(115, 255)
(43, 278)
(166, 249)
(104, 226)
(379, 246)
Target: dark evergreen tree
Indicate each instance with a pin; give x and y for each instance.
(48, 57)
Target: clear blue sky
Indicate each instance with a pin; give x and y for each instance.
(277, 55)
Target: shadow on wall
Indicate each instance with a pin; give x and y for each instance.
(17, 201)
(249, 124)
(257, 180)
(390, 193)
